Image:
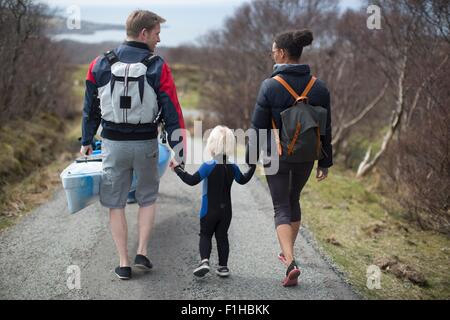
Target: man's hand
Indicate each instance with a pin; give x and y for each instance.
(86, 150)
(172, 164)
(322, 174)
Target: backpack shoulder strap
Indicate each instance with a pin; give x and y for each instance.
(304, 95)
(148, 59)
(309, 86)
(287, 87)
(111, 57)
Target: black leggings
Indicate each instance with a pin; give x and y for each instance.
(215, 222)
(285, 188)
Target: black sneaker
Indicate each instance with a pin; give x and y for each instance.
(143, 263)
(223, 272)
(292, 274)
(124, 273)
(202, 269)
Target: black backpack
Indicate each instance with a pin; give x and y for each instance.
(302, 126)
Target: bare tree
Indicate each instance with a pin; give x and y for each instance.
(406, 41)
(35, 77)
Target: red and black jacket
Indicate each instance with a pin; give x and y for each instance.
(159, 78)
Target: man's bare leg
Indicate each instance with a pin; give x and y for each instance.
(146, 220)
(119, 230)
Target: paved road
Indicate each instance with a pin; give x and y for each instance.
(35, 254)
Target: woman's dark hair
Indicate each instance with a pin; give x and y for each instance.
(294, 41)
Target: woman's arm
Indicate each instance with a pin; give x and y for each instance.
(327, 162)
(261, 119)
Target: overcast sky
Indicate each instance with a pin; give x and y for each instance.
(187, 20)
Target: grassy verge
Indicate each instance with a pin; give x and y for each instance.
(35, 152)
(37, 164)
(79, 78)
(359, 228)
(188, 80)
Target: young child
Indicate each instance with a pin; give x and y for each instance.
(215, 214)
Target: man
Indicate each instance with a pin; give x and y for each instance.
(129, 91)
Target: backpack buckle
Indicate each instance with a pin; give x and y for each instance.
(111, 57)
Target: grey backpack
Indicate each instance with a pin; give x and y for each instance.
(128, 98)
(302, 125)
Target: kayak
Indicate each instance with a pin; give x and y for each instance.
(81, 179)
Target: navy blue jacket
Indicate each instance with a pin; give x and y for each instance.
(159, 78)
(273, 99)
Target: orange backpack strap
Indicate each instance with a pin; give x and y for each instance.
(309, 87)
(288, 88)
(277, 138)
(304, 95)
(294, 139)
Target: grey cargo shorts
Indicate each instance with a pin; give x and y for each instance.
(120, 159)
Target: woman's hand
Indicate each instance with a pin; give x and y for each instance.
(322, 174)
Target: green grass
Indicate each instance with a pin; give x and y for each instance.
(342, 208)
(34, 153)
(79, 79)
(27, 144)
(188, 81)
(21, 197)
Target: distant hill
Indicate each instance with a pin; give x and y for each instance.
(82, 53)
(58, 25)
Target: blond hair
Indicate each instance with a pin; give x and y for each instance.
(221, 141)
(141, 19)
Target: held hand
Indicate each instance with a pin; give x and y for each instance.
(322, 174)
(173, 163)
(86, 150)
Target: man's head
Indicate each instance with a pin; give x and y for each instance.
(144, 26)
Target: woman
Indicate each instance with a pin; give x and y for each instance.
(286, 185)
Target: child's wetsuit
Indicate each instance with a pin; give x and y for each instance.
(216, 212)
